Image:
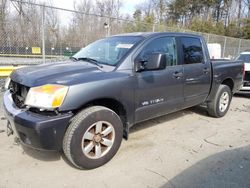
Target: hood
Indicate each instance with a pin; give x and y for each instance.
(65, 73)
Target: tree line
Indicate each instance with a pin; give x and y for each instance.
(21, 22)
(222, 17)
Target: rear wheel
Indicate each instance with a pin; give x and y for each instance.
(219, 106)
(93, 137)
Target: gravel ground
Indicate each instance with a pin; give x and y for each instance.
(184, 149)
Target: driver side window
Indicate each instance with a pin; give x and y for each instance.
(164, 45)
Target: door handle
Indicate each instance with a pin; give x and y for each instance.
(205, 70)
(177, 74)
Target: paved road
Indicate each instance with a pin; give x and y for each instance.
(186, 149)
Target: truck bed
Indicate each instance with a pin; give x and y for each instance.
(228, 70)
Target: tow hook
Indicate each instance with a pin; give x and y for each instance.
(9, 129)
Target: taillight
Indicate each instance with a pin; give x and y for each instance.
(243, 73)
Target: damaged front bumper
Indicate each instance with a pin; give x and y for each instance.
(36, 130)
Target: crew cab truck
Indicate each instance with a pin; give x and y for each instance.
(87, 104)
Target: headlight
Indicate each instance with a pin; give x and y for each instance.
(7, 83)
(47, 96)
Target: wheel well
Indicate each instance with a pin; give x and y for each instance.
(229, 82)
(112, 104)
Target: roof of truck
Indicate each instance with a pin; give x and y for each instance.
(245, 53)
(151, 34)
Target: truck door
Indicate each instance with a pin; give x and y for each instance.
(197, 71)
(159, 91)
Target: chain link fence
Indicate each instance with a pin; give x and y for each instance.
(31, 33)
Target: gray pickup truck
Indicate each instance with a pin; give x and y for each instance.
(87, 104)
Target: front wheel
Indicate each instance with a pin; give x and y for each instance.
(93, 137)
(219, 106)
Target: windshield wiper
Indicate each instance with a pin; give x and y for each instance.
(73, 58)
(88, 59)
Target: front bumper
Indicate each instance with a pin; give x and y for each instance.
(243, 92)
(244, 89)
(36, 130)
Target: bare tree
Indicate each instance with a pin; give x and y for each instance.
(111, 9)
(52, 25)
(247, 3)
(3, 17)
(27, 24)
(160, 9)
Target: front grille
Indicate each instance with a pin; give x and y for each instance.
(19, 93)
(247, 76)
(246, 84)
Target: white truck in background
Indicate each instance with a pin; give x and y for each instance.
(214, 50)
(245, 57)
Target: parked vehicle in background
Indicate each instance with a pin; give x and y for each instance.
(214, 50)
(245, 57)
(87, 104)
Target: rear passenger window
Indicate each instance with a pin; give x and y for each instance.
(192, 50)
(164, 45)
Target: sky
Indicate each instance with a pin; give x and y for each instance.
(128, 5)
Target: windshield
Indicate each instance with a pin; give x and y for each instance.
(244, 57)
(108, 51)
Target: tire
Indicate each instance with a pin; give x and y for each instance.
(219, 106)
(93, 137)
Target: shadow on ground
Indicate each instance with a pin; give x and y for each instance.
(242, 95)
(42, 155)
(228, 169)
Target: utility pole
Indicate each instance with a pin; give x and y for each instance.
(153, 29)
(107, 28)
(224, 48)
(43, 33)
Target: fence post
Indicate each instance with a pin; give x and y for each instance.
(43, 34)
(239, 48)
(208, 38)
(109, 26)
(224, 48)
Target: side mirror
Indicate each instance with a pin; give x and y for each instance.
(155, 61)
